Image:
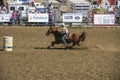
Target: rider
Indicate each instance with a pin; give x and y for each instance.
(65, 33)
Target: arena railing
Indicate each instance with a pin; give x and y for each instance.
(56, 23)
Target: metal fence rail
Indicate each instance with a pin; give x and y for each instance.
(58, 23)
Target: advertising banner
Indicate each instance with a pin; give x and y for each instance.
(26, 1)
(39, 17)
(72, 17)
(104, 19)
(5, 17)
(23, 1)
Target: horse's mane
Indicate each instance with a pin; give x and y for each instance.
(55, 29)
(57, 33)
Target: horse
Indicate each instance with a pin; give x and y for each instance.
(74, 38)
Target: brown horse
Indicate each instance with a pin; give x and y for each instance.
(74, 39)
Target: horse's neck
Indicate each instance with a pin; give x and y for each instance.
(56, 34)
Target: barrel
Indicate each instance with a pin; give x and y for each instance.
(8, 43)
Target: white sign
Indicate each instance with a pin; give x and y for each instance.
(23, 0)
(26, 1)
(5, 17)
(72, 17)
(39, 17)
(104, 19)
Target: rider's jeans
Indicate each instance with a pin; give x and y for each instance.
(63, 39)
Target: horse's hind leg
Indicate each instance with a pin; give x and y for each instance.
(73, 45)
(52, 44)
(78, 44)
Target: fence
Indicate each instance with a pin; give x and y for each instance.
(57, 24)
(97, 20)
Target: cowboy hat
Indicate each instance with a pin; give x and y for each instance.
(63, 24)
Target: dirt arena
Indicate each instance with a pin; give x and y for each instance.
(98, 58)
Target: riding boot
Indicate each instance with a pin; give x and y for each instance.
(66, 45)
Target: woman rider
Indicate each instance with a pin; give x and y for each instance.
(65, 33)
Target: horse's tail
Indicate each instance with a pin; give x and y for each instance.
(82, 37)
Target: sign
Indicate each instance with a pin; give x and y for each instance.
(5, 17)
(23, 1)
(104, 19)
(39, 17)
(26, 1)
(72, 17)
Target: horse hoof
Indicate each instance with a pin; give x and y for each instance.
(48, 47)
(66, 47)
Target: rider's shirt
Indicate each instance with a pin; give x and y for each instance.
(64, 30)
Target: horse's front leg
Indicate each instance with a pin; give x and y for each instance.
(52, 44)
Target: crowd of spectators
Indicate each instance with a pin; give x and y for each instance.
(62, 1)
(17, 15)
(107, 9)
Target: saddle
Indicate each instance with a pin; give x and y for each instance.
(68, 36)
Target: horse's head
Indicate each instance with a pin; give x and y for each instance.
(51, 30)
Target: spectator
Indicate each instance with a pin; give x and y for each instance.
(19, 16)
(87, 21)
(36, 11)
(115, 12)
(0, 8)
(14, 15)
(50, 8)
(51, 17)
(90, 15)
(118, 12)
(110, 10)
(4, 9)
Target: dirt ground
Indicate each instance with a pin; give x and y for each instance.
(98, 58)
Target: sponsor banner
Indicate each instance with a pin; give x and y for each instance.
(72, 17)
(5, 17)
(23, 0)
(104, 19)
(26, 1)
(40, 17)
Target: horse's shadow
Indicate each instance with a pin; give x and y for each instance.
(49, 48)
(1, 49)
(56, 48)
